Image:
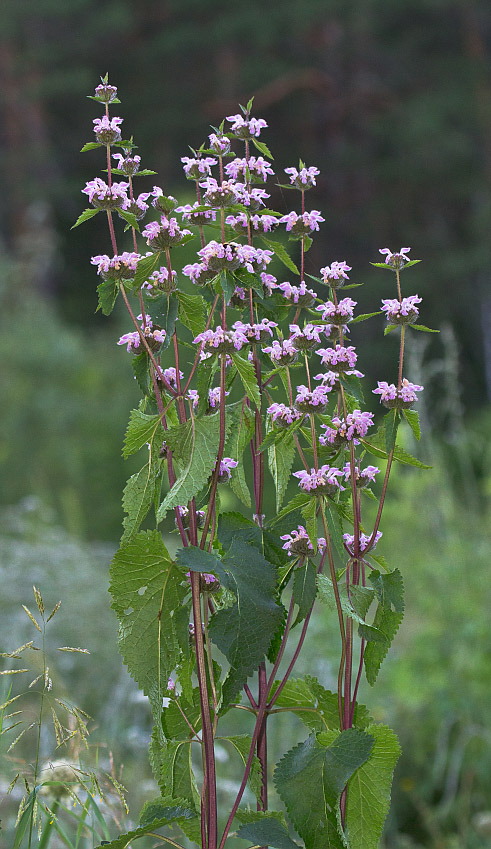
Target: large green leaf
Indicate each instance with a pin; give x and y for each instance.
(195, 444)
(142, 429)
(304, 590)
(192, 312)
(242, 745)
(241, 432)
(389, 589)
(368, 796)
(267, 831)
(138, 496)
(176, 771)
(147, 589)
(311, 777)
(107, 292)
(146, 266)
(248, 378)
(315, 706)
(168, 814)
(376, 445)
(387, 621)
(243, 632)
(280, 461)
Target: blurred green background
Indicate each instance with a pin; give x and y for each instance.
(392, 101)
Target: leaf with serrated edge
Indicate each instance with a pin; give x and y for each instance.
(248, 378)
(198, 448)
(315, 706)
(387, 621)
(412, 419)
(141, 429)
(368, 796)
(267, 831)
(192, 312)
(242, 745)
(147, 588)
(124, 840)
(244, 631)
(138, 497)
(389, 589)
(280, 461)
(311, 777)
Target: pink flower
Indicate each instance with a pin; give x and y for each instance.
(107, 131)
(404, 312)
(349, 541)
(337, 313)
(302, 225)
(393, 259)
(284, 416)
(226, 466)
(344, 430)
(392, 397)
(323, 482)
(283, 352)
(258, 167)
(334, 275)
(339, 358)
(196, 169)
(303, 179)
(245, 128)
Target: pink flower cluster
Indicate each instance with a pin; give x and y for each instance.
(284, 416)
(364, 539)
(103, 196)
(221, 341)
(340, 358)
(258, 167)
(164, 233)
(324, 481)
(298, 294)
(403, 312)
(282, 352)
(301, 225)
(335, 274)
(246, 128)
(337, 313)
(344, 430)
(298, 543)
(396, 260)
(303, 179)
(312, 401)
(391, 396)
(120, 266)
(154, 336)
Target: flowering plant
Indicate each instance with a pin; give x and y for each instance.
(223, 352)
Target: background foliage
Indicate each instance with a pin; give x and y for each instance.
(392, 101)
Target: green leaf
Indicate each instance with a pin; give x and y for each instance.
(309, 514)
(248, 377)
(267, 831)
(243, 632)
(387, 621)
(141, 429)
(423, 328)
(90, 145)
(107, 292)
(326, 595)
(163, 808)
(138, 496)
(176, 776)
(315, 706)
(364, 316)
(140, 368)
(124, 840)
(242, 745)
(241, 420)
(368, 797)
(412, 419)
(235, 526)
(335, 526)
(129, 217)
(174, 725)
(86, 214)
(389, 589)
(376, 446)
(281, 253)
(144, 269)
(297, 502)
(262, 148)
(390, 328)
(391, 424)
(371, 634)
(280, 461)
(147, 589)
(353, 386)
(311, 777)
(192, 312)
(304, 590)
(195, 445)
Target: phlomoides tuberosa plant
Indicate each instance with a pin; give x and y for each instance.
(249, 381)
